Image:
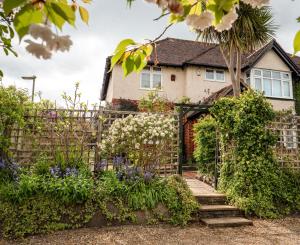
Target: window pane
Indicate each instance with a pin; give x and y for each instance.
(267, 74)
(276, 75)
(285, 76)
(156, 81)
(210, 74)
(147, 68)
(258, 84)
(257, 72)
(268, 87)
(155, 68)
(220, 76)
(277, 88)
(145, 80)
(286, 89)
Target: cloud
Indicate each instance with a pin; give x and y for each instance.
(110, 22)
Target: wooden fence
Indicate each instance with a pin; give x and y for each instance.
(287, 149)
(73, 131)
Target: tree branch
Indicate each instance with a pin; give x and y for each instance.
(161, 16)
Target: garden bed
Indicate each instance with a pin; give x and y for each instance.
(40, 204)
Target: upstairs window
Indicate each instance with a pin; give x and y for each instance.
(151, 78)
(215, 75)
(273, 83)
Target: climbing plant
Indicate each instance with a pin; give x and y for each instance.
(205, 144)
(250, 174)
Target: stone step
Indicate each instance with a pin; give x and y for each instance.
(216, 211)
(226, 222)
(211, 199)
(189, 168)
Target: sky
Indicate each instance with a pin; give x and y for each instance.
(110, 22)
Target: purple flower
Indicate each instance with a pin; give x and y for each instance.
(101, 166)
(148, 176)
(55, 172)
(117, 161)
(71, 172)
(2, 164)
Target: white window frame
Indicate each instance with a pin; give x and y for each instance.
(282, 80)
(215, 75)
(152, 72)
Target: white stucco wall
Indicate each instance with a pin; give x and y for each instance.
(272, 61)
(197, 87)
(279, 105)
(129, 87)
(189, 82)
(109, 95)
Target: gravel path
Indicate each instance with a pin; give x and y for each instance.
(264, 232)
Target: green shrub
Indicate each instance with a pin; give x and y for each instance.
(173, 192)
(153, 102)
(143, 139)
(250, 174)
(12, 108)
(39, 204)
(205, 145)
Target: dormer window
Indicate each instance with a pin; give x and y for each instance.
(151, 78)
(215, 75)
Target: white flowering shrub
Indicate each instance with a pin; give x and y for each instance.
(144, 139)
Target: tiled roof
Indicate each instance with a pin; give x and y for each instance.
(296, 60)
(177, 52)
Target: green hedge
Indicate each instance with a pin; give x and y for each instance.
(39, 204)
(250, 174)
(205, 145)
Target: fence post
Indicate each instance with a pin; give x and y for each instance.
(181, 140)
(99, 133)
(216, 161)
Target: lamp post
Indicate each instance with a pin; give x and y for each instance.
(33, 78)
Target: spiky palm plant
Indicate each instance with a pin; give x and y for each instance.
(253, 29)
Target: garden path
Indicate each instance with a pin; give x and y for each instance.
(214, 210)
(200, 188)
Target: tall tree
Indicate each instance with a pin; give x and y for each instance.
(253, 28)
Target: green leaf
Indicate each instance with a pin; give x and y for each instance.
(148, 50)
(128, 66)
(64, 11)
(116, 58)
(84, 14)
(137, 61)
(297, 43)
(124, 44)
(142, 65)
(1, 74)
(9, 5)
(27, 16)
(120, 51)
(298, 19)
